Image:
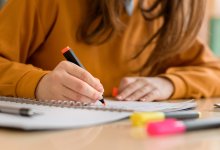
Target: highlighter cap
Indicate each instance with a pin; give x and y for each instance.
(142, 118)
(114, 92)
(166, 127)
(65, 49)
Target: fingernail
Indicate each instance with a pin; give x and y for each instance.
(119, 97)
(97, 96)
(98, 80)
(100, 97)
(143, 99)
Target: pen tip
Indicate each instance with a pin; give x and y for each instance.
(103, 102)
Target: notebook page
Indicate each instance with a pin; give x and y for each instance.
(62, 118)
(57, 118)
(148, 106)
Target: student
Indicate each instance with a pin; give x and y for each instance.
(150, 53)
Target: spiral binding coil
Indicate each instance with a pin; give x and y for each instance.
(61, 103)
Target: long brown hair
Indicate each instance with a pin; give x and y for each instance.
(182, 20)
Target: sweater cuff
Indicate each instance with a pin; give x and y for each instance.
(26, 86)
(180, 89)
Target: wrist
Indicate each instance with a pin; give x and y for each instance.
(39, 88)
(169, 85)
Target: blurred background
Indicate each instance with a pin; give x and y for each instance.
(210, 31)
(2, 2)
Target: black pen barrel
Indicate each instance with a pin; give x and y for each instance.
(71, 57)
(183, 114)
(200, 124)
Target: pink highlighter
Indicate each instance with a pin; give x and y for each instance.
(168, 126)
(173, 126)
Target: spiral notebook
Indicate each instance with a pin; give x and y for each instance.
(56, 114)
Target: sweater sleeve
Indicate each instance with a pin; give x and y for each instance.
(197, 75)
(21, 33)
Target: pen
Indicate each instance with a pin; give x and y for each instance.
(172, 126)
(17, 111)
(70, 56)
(141, 118)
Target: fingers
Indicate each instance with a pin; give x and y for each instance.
(68, 81)
(83, 75)
(69, 94)
(151, 96)
(125, 82)
(138, 89)
(81, 87)
(130, 89)
(140, 93)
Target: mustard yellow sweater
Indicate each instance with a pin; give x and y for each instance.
(32, 33)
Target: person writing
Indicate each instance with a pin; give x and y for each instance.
(148, 48)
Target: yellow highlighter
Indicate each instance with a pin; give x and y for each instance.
(142, 118)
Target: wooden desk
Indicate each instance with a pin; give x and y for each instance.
(115, 136)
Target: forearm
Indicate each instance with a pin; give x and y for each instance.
(19, 80)
(195, 82)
